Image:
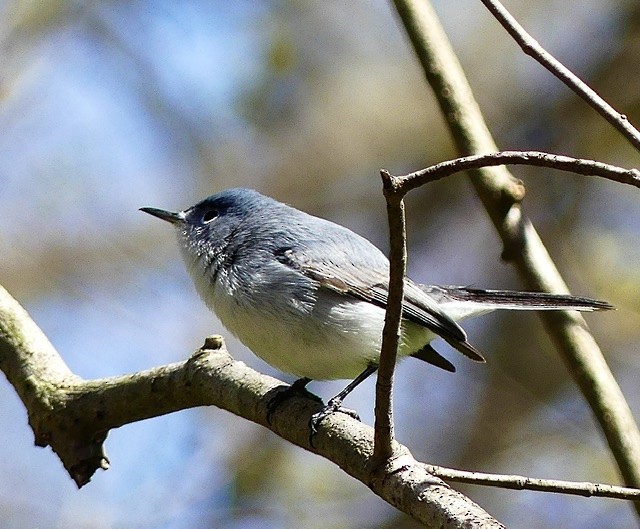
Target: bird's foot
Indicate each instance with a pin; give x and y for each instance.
(296, 389)
(334, 405)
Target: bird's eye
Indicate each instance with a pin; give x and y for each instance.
(209, 215)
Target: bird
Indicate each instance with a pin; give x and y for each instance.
(308, 296)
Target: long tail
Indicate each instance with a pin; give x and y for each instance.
(514, 300)
(462, 302)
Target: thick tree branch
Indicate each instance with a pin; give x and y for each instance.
(501, 194)
(74, 416)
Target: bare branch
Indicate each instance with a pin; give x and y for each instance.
(391, 331)
(74, 416)
(500, 194)
(531, 47)
(542, 485)
(535, 158)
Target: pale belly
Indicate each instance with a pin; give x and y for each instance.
(334, 340)
(295, 326)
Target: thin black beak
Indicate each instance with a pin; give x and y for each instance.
(169, 216)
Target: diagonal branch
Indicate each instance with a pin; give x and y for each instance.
(74, 416)
(531, 47)
(500, 193)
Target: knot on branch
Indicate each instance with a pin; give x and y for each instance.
(391, 185)
(514, 237)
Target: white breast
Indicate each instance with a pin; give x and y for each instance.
(323, 335)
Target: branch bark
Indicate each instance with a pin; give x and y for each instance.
(501, 193)
(73, 416)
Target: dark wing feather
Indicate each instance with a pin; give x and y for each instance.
(430, 355)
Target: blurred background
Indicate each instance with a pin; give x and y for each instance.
(109, 106)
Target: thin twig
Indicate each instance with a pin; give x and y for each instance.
(532, 48)
(535, 158)
(503, 481)
(383, 446)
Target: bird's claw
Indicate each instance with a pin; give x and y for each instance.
(332, 407)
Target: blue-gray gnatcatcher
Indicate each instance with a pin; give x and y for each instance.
(308, 296)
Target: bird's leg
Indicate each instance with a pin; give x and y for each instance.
(297, 388)
(334, 403)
